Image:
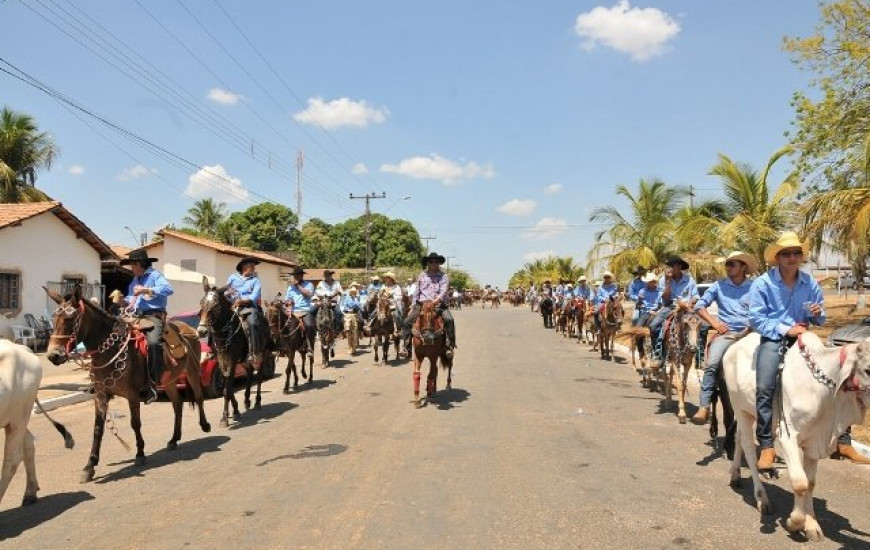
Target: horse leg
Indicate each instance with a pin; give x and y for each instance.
(290, 368)
(227, 397)
(177, 409)
(682, 378)
(376, 347)
(136, 424)
(194, 383)
(32, 485)
(669, 381)
(99, 425)
(310, 358)
(258, 400)
(417, 363)
(386, 350)
(249, 381)
(13, 454)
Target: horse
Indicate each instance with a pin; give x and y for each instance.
(383, 328)
(430, 342)
(218, 319)
(492, 298)
(582, 320)
(288, 332)
(681, 334)
(561, 315)
(546, 307)
(119, 367)
(325, 323)
(611, 321)
(636, 337)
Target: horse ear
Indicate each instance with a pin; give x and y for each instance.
(205, 286)
(53, 295)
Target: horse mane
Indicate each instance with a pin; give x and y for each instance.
(108, 316)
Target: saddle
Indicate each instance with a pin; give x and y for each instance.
(174, 335)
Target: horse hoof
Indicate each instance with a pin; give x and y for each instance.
(237, 417)
(206, 427)
(87, 476)
(257, 406)
(418, 404)
(171, 446)
(287, 391)
(28, 500)
(682, 419)
(140, 461)
(247, 405)
(224, 423)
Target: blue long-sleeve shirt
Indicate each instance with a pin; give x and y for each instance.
(246, 288)
(301, 302)
(684, 289)
(605, 292)
(350, 303)
(160, 287)
(774, 307)
(583, 291)
(732, 301)
(634, 288)
(648, 299)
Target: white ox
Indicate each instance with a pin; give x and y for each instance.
(813, 415)
(20, 374)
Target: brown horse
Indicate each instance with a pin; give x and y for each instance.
(119, 367)
(219, 319)
(611, 322)
(582, 318)
(288, 333)
(430, 342)
(383, 328)
(681, 336)
(492, 298)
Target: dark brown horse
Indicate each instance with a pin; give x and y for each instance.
(383, 328)
(611, 323)
(218, 319)
(430, 342)
(119, 368)
(326, 331)
(288, 333)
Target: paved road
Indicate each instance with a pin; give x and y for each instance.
(539, 445)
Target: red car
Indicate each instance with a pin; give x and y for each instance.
(212, 379)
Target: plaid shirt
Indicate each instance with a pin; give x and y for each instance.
(432, 287)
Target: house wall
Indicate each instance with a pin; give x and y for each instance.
(43, 249)
(217, 267)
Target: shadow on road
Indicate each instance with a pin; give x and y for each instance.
(340, 363)
(18, 520)
(311, 451)
(316, 385)
(267, 412)
(187, 450)
(447, 399)
(836, 527)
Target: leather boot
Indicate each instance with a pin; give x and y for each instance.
(846, 451)
(701, 416)
(767, 458)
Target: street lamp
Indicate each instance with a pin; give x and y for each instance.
(141, 239)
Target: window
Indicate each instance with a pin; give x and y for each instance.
(10, 291)
(70, 282)
(188, 265)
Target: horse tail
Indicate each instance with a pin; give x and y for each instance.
(68, 440)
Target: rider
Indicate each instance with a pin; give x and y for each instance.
(607, 291)
(731, 296)
(147, 296)
(782, 303)
(327, 290)
(411, 287)
(432, 285)
(368, 304)
(582, 289)
(647, 300)
(394, 293)
(298, 296)
(247, 299)
(636, 284)
(677, 285)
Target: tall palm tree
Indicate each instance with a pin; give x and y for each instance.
(646, 236)
(842, 215)
(755, 213)
(24, 150)
(206, 216)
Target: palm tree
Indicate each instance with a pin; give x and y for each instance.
(644, 238)
(755, 215)
(206, 216)
(23, 151)
(843, 215)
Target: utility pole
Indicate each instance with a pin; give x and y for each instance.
(427, 239)
(691, 197)
(368, 197)
(300, 161)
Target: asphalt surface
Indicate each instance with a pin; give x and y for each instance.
(538, 445)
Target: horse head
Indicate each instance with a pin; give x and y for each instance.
(688, 322)
(429, 323)
(384, 309)
(860, 374)
(70, 324)
(214, 307)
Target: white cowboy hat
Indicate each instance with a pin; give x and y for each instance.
(607, 274)
(597, 283)
(569, 285)
(375, 278)
(354, 284)
(649, 278)
(582, 279)
(748, 259)
(788, 239)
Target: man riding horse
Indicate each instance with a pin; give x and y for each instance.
(147, 296)
(608, 291)
(298, 296)
(329, 292)
(432, 285)
(245, 291)
(677, 287)
(394, 292)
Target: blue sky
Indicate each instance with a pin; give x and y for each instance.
(505, 122)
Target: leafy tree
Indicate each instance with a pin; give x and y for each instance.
(393, 242)
(24, 150)
(267, 226)
(316, 248)
(461, 279)
(205, 216)
(552, 268)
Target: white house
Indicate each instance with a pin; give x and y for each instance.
(184, 259)
(43, 243)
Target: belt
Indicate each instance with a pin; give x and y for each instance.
(143, 313)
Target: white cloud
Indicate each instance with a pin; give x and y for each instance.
(214, 182)
(135, 172)
(642, 33)
(224, 97)
(340, 112)
(546, 228)
(518, 207)
(539, 255)
(76, 170)
(553, 189)
(436, 167)
(360, 168)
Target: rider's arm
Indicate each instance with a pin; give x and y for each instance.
(158, 285)
(762, 317)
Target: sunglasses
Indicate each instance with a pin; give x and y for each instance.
(789, 253)
(733, 263)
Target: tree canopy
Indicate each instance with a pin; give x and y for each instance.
(24, 150)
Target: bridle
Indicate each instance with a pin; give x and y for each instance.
(212, 299)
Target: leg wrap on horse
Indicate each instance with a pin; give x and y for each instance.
(416, 384)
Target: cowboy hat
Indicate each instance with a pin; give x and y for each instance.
(374, 278)
(639, 270)
(569, 285)
(297, 271)
(327, 272)
(115, 293)
(138, 255)
(788, 239)
(582, 279)
(607, 274)
(434, 256)
(352, 290)
(246, 260)
(676, 260)
(748, 259)
(389, 274)
(649, 278)
(353, 284)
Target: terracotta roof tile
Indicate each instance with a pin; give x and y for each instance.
(222, 248)
(12, 214)
(15, 213)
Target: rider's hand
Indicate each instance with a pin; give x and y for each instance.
(796, 330)
(721, 328)
(139, 289)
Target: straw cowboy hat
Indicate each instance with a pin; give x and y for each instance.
(676, 260)
(116, 295)
(788, 239)
(246, 260)
(389, 274)
(748, 259)
(607, 274)
(352, 290)
(434, 256)
(353, 285)
(138, 255)
(374, 278)
(649, 278)
(582, 279)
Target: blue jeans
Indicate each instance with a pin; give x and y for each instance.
(641, 321)
(717, 350)
(655, 330)
(766, 372)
